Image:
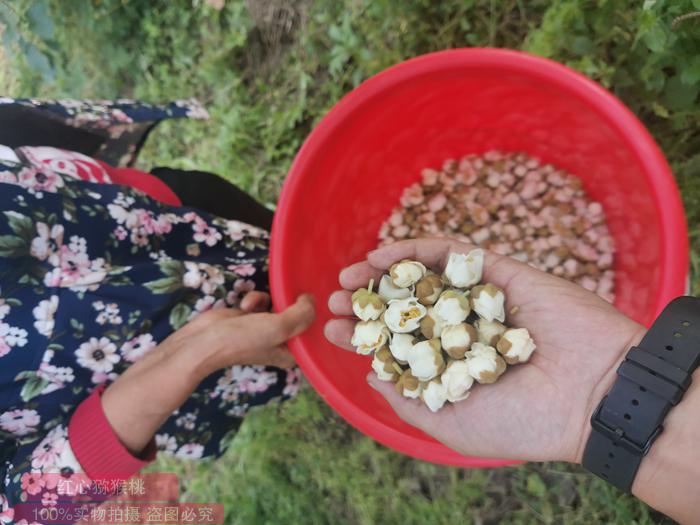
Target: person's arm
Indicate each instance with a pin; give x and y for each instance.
(110, 434)
(141, 399)
(540, 411)
(668, 478)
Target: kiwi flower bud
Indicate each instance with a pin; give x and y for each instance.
(489, 332)
(431, 325)
(456, 380)
(384, 365)
(516, 345)
(388, 291)
(406, 273)
(488, 302)
(369, 336)
(434, 394)
(426, 360)
(403, 315)
(366, 304)
(463, 271)
(408, 385)
(452, 307)
(400, 346)
(457, 339)
(485, 365)
(429, 288)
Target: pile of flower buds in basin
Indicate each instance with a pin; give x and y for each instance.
(513, 205)
(435, 335)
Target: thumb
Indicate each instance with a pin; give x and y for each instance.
(270, 330)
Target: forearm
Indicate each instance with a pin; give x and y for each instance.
(668, 477)
(140, 400)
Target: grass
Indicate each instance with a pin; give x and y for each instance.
(266, 86)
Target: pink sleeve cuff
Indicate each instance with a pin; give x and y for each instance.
(97, 448)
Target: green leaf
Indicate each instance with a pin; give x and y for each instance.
(78, 328)
(696, 4)
(679, 96)
(25, 374)
(690, 74)
(656, 38)
(116, 270)
(53, 423)
(536, 486)
(172, 268)
(33, 387)
(12, 246)
(164, 285)
(21, 225)
(659, 110)
(39, 18)
(38, 61)
(179, 315)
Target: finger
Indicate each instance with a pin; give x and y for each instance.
(339, 332)
(297, 318)
(340, 303)
(280, 357)
(255, 302)
(358, 275)
(431, 252)
(268, 330)
(412, 411)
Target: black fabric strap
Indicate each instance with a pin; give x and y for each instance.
(651, 380)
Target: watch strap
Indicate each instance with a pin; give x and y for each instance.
(651, 380)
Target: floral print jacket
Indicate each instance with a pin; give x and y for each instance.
(92, 277)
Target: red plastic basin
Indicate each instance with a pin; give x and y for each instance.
(353, 167)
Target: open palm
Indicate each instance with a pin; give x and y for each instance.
(538, 410)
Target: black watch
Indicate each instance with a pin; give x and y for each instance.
(651, 380)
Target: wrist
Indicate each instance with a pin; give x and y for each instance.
(601, 388)
(667, 474)
(194, 358)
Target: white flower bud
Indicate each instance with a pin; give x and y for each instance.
(428, 289)
(485, 365)
(426, 360)
(431, 325)
(452, 307)
(457, 381)
(400, 346)
(366, 304)
(488, 302)
(434, 395)
(403, 315)
(463, 271)
(457, 339)
(489, 332)
(369, 336)
(384, 365)
(516, 345)
(406, 273)
(388, 291)
(408, 385)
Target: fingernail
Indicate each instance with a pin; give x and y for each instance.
(307, 297)
(370, 381)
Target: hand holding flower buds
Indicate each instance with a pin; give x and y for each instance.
(435, 336)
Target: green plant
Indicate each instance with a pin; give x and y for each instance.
(300, 463)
